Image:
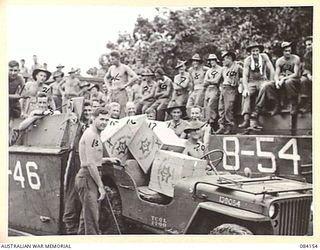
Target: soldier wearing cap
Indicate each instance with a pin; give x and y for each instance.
(118, 78)
(162, 94)
(32, 88)
(147, 88)
(231, 74)
(197, 72)
(177, 124)
(306, 78)
(181, 85)
(212, 82)
(255, 83)
(194, 147)
(287, 75)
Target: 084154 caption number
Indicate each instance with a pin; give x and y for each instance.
(261, 142)
(305, 246)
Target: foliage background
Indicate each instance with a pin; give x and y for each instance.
(179, 34)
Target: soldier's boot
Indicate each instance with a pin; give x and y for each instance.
(254, 124)
(276, 110)
(228, 130)
(246, 121)
(303, 104)
(221, 129)
(293, 106)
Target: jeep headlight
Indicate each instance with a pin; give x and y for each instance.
(273, 210)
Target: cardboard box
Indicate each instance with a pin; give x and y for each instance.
(170, 167)
(152, 136)
(118, 134)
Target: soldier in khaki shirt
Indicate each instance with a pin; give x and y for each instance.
(231, 73)
(212, 81)
(197, 72)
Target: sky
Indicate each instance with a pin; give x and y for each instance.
(74, 36)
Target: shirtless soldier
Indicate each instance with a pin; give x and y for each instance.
(88, 181)
(118, 78)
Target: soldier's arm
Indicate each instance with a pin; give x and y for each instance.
(151, 95)
(277, 72)
(34, 115)
(245, 73)
(269, 66)
(158, 90)
(191, 81)
(107, 78)
(132, 74)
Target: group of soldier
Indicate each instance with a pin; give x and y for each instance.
(204, 95)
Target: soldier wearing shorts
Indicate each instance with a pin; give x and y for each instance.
(88, 183)
(118, 78)
(197, 72)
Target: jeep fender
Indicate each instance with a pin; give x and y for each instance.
(227, 211)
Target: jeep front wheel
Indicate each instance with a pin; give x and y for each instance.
(230, 229)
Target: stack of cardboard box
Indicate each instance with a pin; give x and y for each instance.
(153, 145)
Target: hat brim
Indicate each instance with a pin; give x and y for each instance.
(213, 59)
(182, 108)
(71, 72)
(259, 46)
(232, 54)
(286, 46)
(36, 71)
(147, 74)
(181, 64)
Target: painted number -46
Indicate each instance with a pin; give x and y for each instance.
(32, 177)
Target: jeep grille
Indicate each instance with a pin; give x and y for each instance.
(293, 217)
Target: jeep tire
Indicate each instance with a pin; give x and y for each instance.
(230, 229)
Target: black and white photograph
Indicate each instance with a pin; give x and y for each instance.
(128, 120)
